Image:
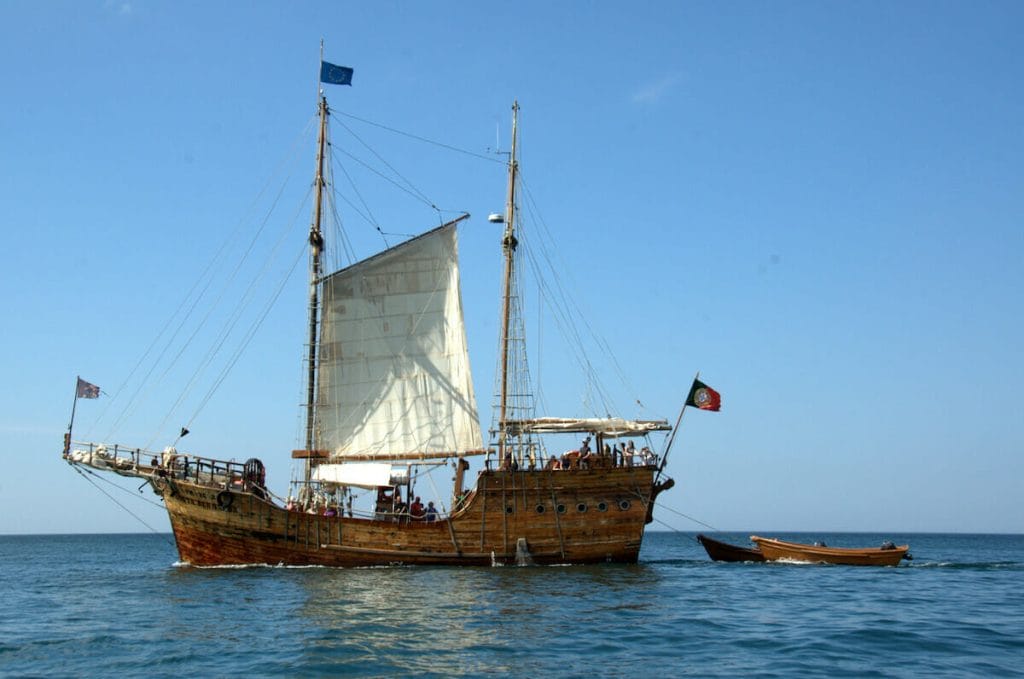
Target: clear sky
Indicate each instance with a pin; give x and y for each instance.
(816, 205)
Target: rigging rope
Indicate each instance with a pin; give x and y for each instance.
(134, 400)
(247, 338)
(114, 500)
(568, 314)
(411, 190)
(706, 525)
(422, 139)
(231, 322)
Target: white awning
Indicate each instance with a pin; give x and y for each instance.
(605, 426)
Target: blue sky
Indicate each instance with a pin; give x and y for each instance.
(816, 205)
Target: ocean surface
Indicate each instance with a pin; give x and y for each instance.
(113, 605)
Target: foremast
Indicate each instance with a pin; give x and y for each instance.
(316, 242)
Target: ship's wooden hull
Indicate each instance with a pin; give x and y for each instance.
(775, 550)
(577, 516)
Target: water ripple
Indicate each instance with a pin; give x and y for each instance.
(112, 605)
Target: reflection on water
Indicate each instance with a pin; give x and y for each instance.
(465, 620)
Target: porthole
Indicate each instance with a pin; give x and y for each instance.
(602, 506)
(624, 505)
(540, 509)
(509, 509)
(561, 509)
(581, 507)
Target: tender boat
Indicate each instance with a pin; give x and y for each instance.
(886, 555)
(723, 551)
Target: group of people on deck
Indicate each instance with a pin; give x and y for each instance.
(389, 505)
(416, 510)
(610, 456)
(390, 502)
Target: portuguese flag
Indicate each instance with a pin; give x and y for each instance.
(704, 397)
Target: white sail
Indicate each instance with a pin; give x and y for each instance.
(394, 379)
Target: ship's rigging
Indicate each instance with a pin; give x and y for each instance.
(515, 397)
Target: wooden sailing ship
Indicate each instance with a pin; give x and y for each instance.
(389, 384)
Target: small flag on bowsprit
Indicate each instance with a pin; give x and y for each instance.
(86, 390)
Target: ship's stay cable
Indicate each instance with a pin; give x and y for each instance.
(564, 319)
(572, 316)
(416, 194)
(422, 139)
(571, 307)
(248, 337)
(114, 500)
(558, 301)
(233, 318)
(408, 188)
(685, 516)
(208, 275)
(368, 216)
(339, 242)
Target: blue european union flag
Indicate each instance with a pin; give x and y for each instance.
(335, 75)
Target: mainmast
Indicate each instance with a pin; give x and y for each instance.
(316, 242)
(508, 244)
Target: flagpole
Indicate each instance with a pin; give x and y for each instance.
(679, 420)
(74, 404)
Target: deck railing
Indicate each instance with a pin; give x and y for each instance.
(141, 462)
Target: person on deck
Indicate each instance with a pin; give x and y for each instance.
(571, 459)
(431, 513)
(416, 508)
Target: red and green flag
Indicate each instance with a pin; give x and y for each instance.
(704, 397)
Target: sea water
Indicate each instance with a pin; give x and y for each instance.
(115, 605)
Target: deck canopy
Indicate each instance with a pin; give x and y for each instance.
(611, 427)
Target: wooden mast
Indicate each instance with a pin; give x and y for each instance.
(316, 243)
(508, 244)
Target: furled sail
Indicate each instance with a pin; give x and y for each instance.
(394, 380)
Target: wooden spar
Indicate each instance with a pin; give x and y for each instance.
(508, 244)
(315, 245)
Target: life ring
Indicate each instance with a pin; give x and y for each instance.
(224, 500)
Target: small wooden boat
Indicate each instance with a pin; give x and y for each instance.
(723, 551)
(886, 555)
